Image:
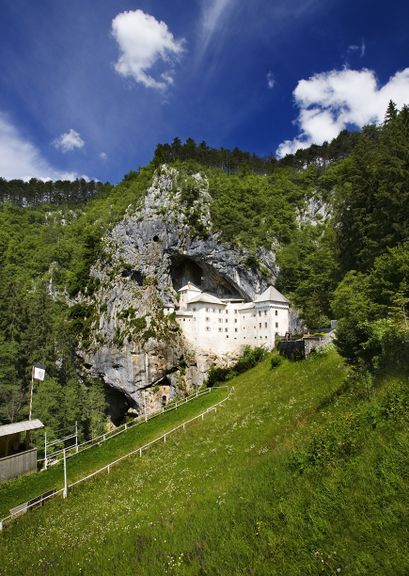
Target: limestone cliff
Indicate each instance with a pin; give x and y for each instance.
(148, 256)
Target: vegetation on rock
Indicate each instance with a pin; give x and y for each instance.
(334, 215)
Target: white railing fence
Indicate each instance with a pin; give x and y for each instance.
(39, 501)
(58, 455)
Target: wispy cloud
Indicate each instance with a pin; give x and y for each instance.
(330, 101)
(271, 81)
(144, 42)
(214, 16)
(69, 141)
(358, 48)
(19, 158)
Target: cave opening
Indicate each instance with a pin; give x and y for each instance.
(118, 405)
(202, 275)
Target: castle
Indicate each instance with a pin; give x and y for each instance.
(227, 325)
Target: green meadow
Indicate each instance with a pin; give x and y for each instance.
(78, 466)
(301, 472)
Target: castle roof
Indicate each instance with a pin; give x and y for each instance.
(207, 298)
(189, 286)
(247, 306)
(271, 295)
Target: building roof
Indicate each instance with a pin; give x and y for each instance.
(246, 306)
(271, 295)
(189, 286)
(207, 298)
(184, 313)
(24, 426)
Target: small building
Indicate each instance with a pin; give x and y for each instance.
(17, 456)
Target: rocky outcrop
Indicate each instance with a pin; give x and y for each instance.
(136, 346)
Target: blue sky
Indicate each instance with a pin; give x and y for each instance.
(89, 87)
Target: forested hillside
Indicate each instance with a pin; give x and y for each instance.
(336, 216)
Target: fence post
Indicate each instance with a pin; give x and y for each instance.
(65, 491)
(126, 426)
(45, 450)
(109, 469)
(140, 452)
(164, 438)
(1, 525)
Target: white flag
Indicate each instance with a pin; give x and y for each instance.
(38, 372)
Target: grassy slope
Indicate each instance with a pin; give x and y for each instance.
(27, 487)
(222, 498)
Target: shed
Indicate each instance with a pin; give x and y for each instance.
(17, 457)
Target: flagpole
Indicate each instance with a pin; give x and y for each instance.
(31, 392)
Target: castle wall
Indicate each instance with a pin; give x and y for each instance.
(228, 326)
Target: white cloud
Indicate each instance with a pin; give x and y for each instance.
(20, 159)
(144, 42)
(103, 156)
(69, 141)
(271, 81)
(330, 101)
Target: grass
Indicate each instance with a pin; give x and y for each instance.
(27, 487)
(297, 474)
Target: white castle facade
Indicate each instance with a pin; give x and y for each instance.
(219, 325)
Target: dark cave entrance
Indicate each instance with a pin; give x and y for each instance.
(118, 405)
(184, 269)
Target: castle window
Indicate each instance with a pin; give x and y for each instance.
(235, 329)
(276, 324)
(194, 309)
(227, 311)
(227, 320)
(226, 329)
(265, 312)
(227, 335)
(235, 320)
(265, 324)
(214, 310)
(207, 319)
(259, 325)
(220, 320)
(259, 312)
(208, 329)
(266, 337)
(220, 329)
(276, 312)
(207, 309)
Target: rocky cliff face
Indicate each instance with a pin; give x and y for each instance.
(156, 249)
